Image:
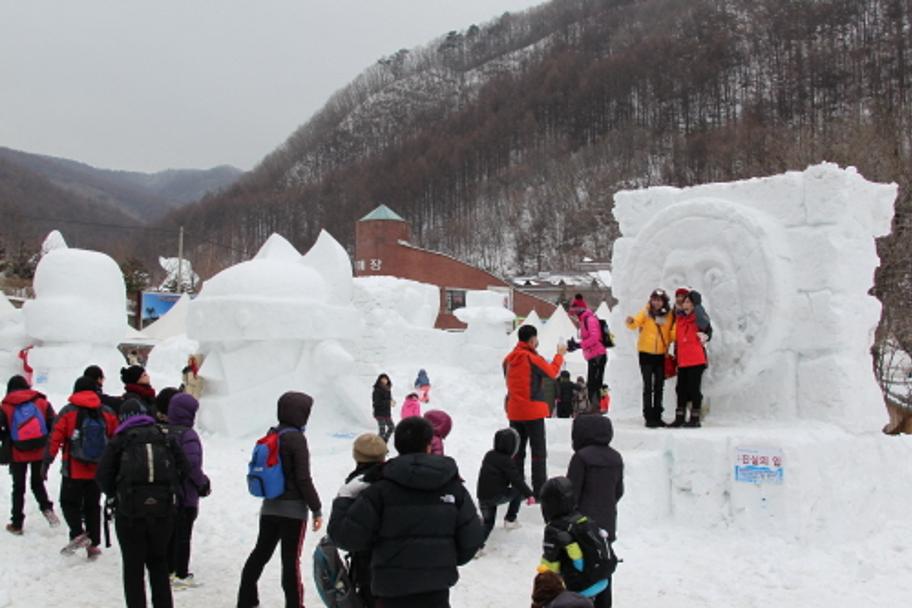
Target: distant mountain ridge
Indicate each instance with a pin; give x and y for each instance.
(503, 144)
(145, 197)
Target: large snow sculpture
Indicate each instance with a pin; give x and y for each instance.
(268, 325)
(78, 317)
(487, 337)
(12, 338)
(784, 264)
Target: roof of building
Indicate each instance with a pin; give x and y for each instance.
(382, 213)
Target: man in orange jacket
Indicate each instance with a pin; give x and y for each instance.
(525, 370)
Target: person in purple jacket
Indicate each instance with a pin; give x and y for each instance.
(181, 415)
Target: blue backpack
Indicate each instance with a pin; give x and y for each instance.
(265, 477)
(28, 428)
(90, 436)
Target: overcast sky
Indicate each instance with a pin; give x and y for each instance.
(148, 85)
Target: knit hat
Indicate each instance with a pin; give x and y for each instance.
(84, 383)
(130, 408)
(547, 586)
(17, 383)
(681, 291)
(94, 372)
(132, 374)
(369, 447)
(578, 306)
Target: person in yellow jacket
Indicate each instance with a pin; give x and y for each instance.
(654, 322)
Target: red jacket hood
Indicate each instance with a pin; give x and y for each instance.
(87, 399)
(19, 397)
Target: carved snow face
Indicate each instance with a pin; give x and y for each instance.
(726, 252)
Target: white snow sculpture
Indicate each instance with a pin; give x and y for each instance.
(76, 319)
(179, 277)
(487, 337)
(12, 338)
(532, 319)
(172, 323)
(266, 326)
(603, 312)
(167, 360)
(784, 264)
(329, 258)
(52, 241)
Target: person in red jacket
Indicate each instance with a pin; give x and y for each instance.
(80, 434)
(525, 370)
(690, 333)
(20, 395)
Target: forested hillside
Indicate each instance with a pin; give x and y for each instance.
(503, 144)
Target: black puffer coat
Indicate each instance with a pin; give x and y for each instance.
(419, 522)
(596, 471)
(293, 413)
(499, 473)
(382, 401)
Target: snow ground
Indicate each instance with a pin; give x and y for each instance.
(667, 562)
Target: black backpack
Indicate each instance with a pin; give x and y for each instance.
(607, 337)
(332, 576)
(598, 560)
(147, 479)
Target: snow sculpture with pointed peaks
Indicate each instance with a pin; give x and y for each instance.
(78, 317)
(784, 264)
(274, 323)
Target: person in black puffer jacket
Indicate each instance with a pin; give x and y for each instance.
(499, 480)
(285, 518)
(369, 452)
(382, 400)
(596, 471)
(428, 521)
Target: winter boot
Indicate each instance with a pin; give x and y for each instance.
(14, 529)
(51, 518)
(694, 422)
(93, 553)
(679, 419)
(80, 542)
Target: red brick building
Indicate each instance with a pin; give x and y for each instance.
(382, 247)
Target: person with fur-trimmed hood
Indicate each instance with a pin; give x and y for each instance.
(26, 454)
(418, 520)
(369, 452)
(80, 496)
(500, 481)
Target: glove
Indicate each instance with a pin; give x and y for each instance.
(531, 501)
(703, 337)
(352, 488)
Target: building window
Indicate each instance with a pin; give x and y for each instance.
(455, 298)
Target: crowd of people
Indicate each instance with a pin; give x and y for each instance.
(407, 522)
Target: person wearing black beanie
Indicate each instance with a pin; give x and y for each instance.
(17, 383)
(96, 373)
(80, 451)
(137, 386)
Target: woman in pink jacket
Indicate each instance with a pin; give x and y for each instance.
(593, 350)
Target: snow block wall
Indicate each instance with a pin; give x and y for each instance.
(784, 264)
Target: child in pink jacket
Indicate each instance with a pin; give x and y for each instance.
(442, 424)
(411, 406)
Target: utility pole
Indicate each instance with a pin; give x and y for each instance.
(180, 261)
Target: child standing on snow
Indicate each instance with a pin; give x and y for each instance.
(383, 406)
(573, 546)
(442, 424)
(500, 481)
(596, 472)
(423, 386)
(565, 392)
(605, 400)
(580, 397)
(411, 406)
